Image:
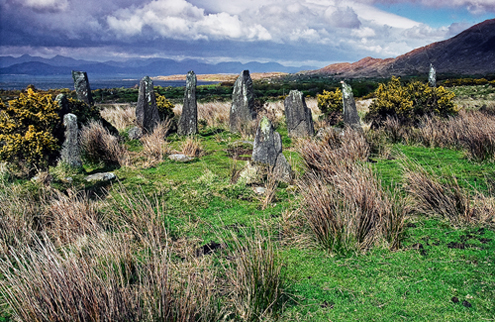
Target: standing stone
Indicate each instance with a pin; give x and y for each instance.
(81, 85)
(63, 103)
(351, 116)
(432, 76)
(147, 115)
(267, 149)
(242, 110)
(298, 116)
(70, 153)
(188, 122)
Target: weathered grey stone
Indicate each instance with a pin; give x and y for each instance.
(432, 76)
(282, 169)
(351, 116)
(70, 153)
(267, 143)
(180, 158)
(81, 85)
(242, 110)
(251, 173)
(267, 150)
(259, 190)
(101, 177)
(188, 122)
(147, 116)
(135, 133)
(298, 116)
(63, 103)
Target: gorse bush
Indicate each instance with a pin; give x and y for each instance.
(410, 102)
(84, 113)
(165, 107)
(330, 104)
(26, 130)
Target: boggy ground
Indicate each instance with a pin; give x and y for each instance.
(175, 241)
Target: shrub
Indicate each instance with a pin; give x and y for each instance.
(26, 130)
(409, 103)
(84, 113)
(330, 104)
(165, 108)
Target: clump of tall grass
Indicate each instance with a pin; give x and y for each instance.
(154, 144)
(256, 278)
(447, 199)
(120, 117)
(336, 150)
(214, 114)
(192, 147)
(99, 145)
(344, 202)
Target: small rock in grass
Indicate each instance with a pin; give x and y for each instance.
(455, 300)
(102, 177)
(466, 303)
(135, 133)
(180, 158)
(259, 190)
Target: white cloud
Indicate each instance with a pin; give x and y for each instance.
(178, 19)
(48, 5)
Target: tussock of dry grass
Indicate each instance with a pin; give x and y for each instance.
(120, 116)
(192, 147)
(256, 278)
(98, 145)
(345, 204)
(447, 200)
(154, 144)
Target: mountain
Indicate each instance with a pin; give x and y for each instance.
(472, 52)
(153, 66)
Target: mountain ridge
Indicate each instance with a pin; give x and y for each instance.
(33, 65)
(471, 52)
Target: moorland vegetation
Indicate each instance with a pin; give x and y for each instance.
(392, 222)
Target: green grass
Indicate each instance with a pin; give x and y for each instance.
(417, 283)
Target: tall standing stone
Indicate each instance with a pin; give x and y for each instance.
(188, 122)
(351, 116)
(267, 149)
(432, 76)
(70, 153)
(298, 116)
(81, 85)
(147, 115)
(242, 110)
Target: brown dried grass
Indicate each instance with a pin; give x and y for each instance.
(192, 147)
(154, 144)
(120, 116)
(99, 145)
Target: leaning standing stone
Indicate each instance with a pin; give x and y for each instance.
(70, 153)
(267, 149)
(81, 85)
(147, 115)
(432, 76)
(242, 110)
(188, 122)
(298, 116)
(351, 116)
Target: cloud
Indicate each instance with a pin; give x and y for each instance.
(178, 19)
(263, 30)
(473, 6)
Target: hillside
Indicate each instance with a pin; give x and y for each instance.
(471, 52)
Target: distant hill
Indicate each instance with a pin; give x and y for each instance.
(60, 65)
(471, 52)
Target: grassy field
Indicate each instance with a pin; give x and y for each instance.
(170, 241)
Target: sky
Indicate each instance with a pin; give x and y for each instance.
(293, 33)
